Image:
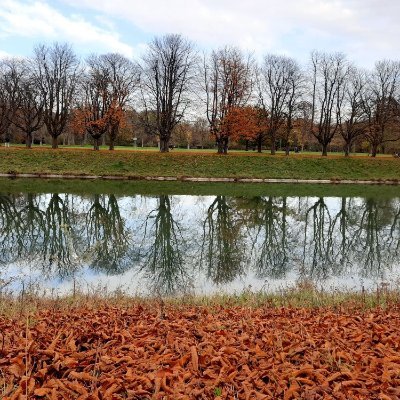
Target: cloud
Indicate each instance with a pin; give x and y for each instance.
(365, 29)
(38, 20)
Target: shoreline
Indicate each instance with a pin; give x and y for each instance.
(199, 179)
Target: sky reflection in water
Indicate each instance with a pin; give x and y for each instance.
(174, 244)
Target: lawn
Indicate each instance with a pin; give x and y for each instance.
(139, 164)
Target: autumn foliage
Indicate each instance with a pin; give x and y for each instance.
(246, 123)
(97, 121)
(182, 352)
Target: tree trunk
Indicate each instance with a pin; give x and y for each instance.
(113, 135)
(96, 144)
(247, 145)
(111, 147)
(164, 145)
(374, 150)
(325, 149)
(29, 140)
(273, 147)
(225, 145)
(259, 144)
(220, 146)
(347, 148)
(54, 142)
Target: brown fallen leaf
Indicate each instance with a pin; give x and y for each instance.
(195, 358)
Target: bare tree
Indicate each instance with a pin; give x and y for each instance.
(381, 105)
(278, 84)
(124, 80)
(293, 103)
(166, 76)
(328, 74)
(11, 72)
(351, 114)
(56, 73)
(28, 114)
(228, 83)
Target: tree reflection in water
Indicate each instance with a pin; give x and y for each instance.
(263, 237)
(273, 258)
(222, 250)
(108, 239)
(378, 249)
(164, 263)
(318, 252)
(59, 238)
(12, 235)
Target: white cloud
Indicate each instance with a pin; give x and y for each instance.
(365, 29)
(37, 20)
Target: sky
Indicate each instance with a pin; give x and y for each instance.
(365, 30)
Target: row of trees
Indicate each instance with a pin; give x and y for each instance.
(259, 103)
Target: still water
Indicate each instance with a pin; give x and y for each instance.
(170, 244)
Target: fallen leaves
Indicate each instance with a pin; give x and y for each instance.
(202, 353)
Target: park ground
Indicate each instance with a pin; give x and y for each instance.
(197, 164)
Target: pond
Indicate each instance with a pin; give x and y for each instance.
(149, 238)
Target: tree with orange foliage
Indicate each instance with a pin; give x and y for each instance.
(248, 123)
(228, 83)
(105, 88)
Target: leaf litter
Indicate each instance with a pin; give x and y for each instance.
(197, 352)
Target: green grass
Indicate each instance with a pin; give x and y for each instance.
(196, 164)
(193, 150)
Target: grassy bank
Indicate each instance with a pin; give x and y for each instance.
(195, 164)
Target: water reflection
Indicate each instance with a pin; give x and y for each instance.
(164, 249)
(273, 236)
(169, 244)
(107, 244)
(223, 242)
